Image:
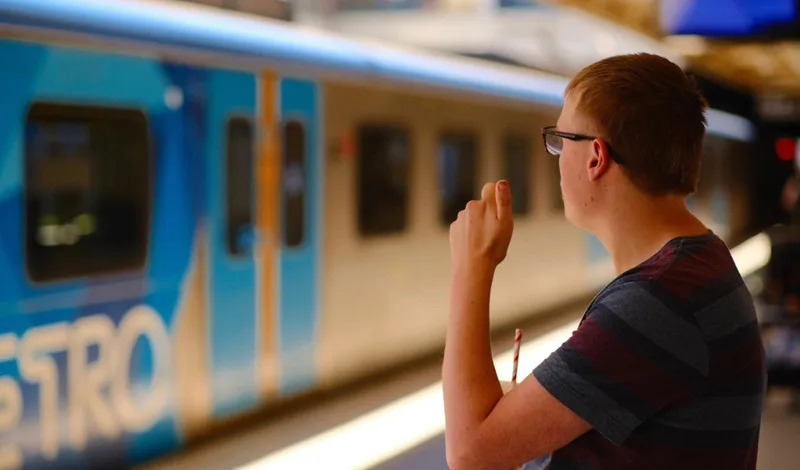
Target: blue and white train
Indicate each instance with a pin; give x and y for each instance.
(206, 213)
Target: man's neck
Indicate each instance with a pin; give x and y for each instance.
(641, 227)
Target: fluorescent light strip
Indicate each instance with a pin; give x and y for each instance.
(753, 254)
(399, 426)
(730, 125)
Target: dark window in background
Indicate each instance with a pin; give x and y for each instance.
(87, 191)
(240, 175)
(383, 176)
(458, 170)
(294, 182)
(517, 169)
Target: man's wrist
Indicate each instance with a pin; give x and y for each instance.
(476, 271)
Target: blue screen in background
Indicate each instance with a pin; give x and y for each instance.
(735, 18)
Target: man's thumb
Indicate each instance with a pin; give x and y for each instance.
(503, 199)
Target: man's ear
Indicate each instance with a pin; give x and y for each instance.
(600, 161)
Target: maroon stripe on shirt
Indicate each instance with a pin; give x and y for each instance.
(611, 357)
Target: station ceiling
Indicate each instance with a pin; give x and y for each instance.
(765, 67)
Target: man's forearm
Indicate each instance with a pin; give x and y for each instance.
(471, 388)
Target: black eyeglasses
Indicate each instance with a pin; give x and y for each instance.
(554, 143)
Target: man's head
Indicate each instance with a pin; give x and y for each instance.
(641, 125)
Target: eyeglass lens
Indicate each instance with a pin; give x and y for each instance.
(554, 144)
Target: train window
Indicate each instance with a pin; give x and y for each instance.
(383, 175)
(517, 159)
(87, 191)
(458, 171)
(294, 183)
(239, 182)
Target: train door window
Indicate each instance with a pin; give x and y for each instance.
(87, 191)
(239, 182)
(458, 168)
(383, 175)
(517, 161)
(294, 183)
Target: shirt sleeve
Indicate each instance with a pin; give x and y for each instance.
(630, 357)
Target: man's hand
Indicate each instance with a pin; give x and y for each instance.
(480, 236)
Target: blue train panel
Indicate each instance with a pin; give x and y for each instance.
(122, 247)
(86, 352)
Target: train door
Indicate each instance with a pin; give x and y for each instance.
(230, 153)
(300, 186)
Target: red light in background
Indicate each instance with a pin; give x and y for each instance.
(347, 146)
(786, 149)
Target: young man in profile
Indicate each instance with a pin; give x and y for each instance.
(666, 370)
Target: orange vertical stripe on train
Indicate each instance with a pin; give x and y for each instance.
(267, 223)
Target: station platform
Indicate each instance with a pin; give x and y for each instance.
(398, 423)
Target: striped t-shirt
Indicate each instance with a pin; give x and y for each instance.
(667, 366)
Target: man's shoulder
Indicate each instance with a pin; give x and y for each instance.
(693, 283)
(696, 260)
(690, 272)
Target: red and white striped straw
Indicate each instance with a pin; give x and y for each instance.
(517, 341)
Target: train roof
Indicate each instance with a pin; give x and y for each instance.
(207, 30)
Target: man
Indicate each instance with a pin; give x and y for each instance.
(666, 370)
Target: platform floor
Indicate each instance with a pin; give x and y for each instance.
(779, 447)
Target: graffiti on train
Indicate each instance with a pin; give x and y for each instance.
(97, 392)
